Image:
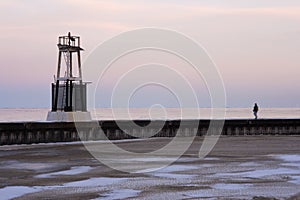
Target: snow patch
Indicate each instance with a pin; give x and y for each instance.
(231, 186)
(288, 158)
(168, 172)
(291, 164)
(177, 168)
(211, 158)
(119, 194)
(11, 192)
(94, 182)
(72, 171)
(261, 173)
(149, 159)
(174, 176)
(170, 168)
(250, 164)
(295, 180)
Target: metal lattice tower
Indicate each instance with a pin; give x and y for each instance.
(68, 89)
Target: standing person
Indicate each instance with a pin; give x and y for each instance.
(255, 110)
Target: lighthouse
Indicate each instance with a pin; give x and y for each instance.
(68, 91)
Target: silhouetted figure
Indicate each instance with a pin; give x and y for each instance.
(255, 110)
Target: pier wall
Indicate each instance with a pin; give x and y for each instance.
(46, 132)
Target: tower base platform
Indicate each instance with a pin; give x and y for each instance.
(61, 116)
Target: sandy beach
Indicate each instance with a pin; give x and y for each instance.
(246, 167)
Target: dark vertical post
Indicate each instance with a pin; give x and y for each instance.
(67, 96)
(53, 96)
(71, 96)
(56, 95)
(71, 74)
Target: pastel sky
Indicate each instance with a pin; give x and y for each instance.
(254, 43)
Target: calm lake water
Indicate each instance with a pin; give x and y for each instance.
(16, 115)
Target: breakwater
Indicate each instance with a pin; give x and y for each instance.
(45, 132)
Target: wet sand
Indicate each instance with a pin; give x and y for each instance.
(246, 167)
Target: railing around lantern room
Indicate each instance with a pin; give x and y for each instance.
(65, 40)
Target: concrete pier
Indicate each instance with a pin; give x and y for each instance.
(45, 132)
